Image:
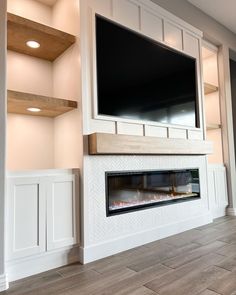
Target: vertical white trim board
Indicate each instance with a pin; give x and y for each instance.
(3, 283)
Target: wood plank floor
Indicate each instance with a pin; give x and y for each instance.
(200, 261)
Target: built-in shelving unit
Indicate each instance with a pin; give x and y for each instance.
(53, 42)
(19, 102)
(209, 88)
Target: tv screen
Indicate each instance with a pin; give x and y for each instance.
(141, 79)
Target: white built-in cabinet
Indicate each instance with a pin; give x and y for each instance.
(41, 212)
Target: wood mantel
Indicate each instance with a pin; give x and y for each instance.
(114, 144)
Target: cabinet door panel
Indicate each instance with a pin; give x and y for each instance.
(26, 217)
(61, 222)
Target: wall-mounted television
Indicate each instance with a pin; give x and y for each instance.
(141, 79)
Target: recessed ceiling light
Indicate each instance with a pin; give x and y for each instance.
(34, 110)
(33, 44)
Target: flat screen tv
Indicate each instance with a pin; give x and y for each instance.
(141, 79)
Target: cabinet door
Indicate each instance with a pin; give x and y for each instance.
(26, 215)
(61, 209)
(217, 189)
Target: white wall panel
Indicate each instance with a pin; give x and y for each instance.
(191, 45)
(177, 133)
(102, 126)
(126, 12)
(173, 35)
(155, 131)
(102, 6)
(129, 129)
(192, 134)
(151, 25)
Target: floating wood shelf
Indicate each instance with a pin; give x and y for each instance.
(213, 126)
(209, 88)
(18, 102)
(112, 144)
(53, 42)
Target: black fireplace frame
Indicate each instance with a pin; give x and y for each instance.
(151, 205)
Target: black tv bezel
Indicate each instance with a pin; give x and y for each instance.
(98, 115)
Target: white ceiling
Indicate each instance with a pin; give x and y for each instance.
(48, 2)
(224, 11)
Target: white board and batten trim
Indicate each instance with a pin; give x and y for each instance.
(155, 131)
(151, 25)
(173, 35)
(147, 19)
(177, 133)
(41, 217)
(196, 135)
(128, 12)
(129, 129)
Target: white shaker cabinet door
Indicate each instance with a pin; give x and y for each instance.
(61, 211)
(26, 215)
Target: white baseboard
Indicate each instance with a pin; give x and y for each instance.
(3, 283)
(25, 267)
(219, 212)
(231, 211)
(111, 247)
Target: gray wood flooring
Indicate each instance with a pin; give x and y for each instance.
(200, 261)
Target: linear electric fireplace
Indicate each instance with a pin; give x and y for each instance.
(129, 191)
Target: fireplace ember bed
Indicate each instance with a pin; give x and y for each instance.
(135, 190)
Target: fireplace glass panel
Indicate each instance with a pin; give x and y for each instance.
(128, 191)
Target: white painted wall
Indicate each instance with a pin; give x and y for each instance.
(31, 9)
(67, 84)
(29, 74)
(210, 70)
(68, 142)
(30, 142)
(3, 281)
(65, 16)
